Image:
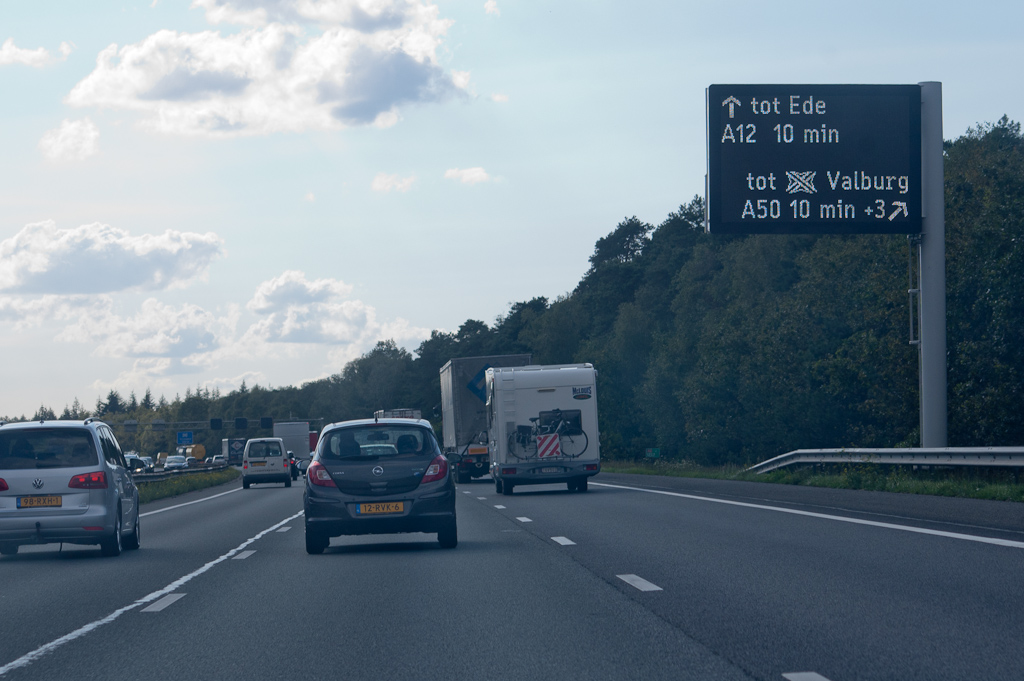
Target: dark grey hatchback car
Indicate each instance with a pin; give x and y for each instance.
(378, 477)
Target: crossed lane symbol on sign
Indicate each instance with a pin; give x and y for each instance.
(800, 182)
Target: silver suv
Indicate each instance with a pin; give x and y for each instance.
(65, 481)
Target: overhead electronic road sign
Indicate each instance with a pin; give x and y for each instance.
(814, 159)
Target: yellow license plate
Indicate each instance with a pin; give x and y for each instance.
(381, 508)
(36, 502)
(259, 463)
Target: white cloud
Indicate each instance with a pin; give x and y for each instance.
(368, 58)
(98, 258)
(461, 79)
(385, 183)
(301, 311)
(309, 197)
(499, 98)
(66, 49)
(467, 175)
(292, 289)
(9, 54)
(155, 331)
(72, 141)
(491, 7)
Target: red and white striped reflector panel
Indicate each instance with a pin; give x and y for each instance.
(548, 445)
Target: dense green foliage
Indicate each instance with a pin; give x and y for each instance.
(722, 349)
(161, 489)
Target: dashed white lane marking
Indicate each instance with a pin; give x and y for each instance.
(804, 676)
(163, 603)
(564, 541)
(243, 555)
(29, 658)
(826, 516)
(468, 492)
(499, 506)
(639, 583)
(481, 498)
(189, 503)
(285, 528)
(524, 519)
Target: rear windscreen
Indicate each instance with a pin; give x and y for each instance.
(378, 441)
(46, 448)
(261, 449)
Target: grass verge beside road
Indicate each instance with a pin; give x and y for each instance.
(151, 491)
(996, 485)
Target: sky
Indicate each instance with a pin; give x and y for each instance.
(197, 193)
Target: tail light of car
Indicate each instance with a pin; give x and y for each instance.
(318, 475)
(437, 470)
(94, 480)
(3, 485)
(590, 467)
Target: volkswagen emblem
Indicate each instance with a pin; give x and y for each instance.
(37, 483)
(377, 470)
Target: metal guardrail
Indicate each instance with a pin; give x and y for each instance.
(1007, 457)
(169, 475)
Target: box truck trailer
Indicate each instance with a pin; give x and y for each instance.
(542, 425)
(463, 412)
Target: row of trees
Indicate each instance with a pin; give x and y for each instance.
(728, 349)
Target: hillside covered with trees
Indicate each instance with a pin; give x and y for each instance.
(723, 349)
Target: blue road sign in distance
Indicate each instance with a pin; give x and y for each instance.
(184, 437)
(814, 159)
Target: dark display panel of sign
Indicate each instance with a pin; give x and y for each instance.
(814, 159)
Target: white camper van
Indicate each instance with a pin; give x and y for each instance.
(542, 425)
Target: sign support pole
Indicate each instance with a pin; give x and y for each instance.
(932, 308)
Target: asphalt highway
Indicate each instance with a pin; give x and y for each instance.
(639, 578)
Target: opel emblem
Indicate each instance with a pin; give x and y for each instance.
(37, 483)
(377, 470)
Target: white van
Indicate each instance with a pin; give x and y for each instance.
(264, 460)
(542, 425)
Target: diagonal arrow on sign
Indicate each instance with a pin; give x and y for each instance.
(901, 206)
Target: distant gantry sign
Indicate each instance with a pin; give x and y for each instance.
(814, 159)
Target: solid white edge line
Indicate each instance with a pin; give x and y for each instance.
(804, 676)
(29, 658)
(189, 503)
(639, 583)
(163, 603)
(564, 541)
(825, 516)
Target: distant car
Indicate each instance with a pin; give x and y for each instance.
(175, 462)
(150, 466)
(67, 482)
(191, 462)
(264, 460)
(378, 477)
(218, 459)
